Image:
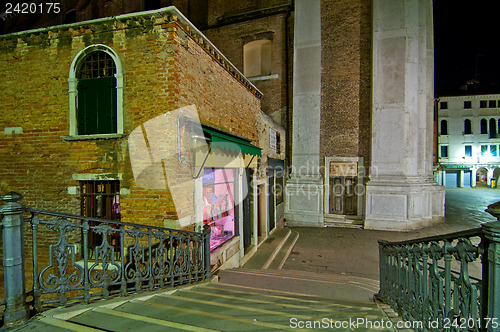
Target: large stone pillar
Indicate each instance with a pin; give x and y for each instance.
(401, 193)
(305, 187)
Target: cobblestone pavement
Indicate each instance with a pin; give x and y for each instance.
(355, 251)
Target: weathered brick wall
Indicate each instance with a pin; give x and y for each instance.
(346, 78)
(230, 40)
(160, 75)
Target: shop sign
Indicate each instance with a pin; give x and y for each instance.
(208, 176)
(343, 169)
(458, 166)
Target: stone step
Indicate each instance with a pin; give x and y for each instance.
(326, 285)
(269, 249)
(283, 253)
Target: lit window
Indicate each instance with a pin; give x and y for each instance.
(444, 151)
(467, 127)
(443, 105)
(484, 150)
(101, 199)
(468, 150)
(493, 150)
(468, 104)
(444, 127)
(257, 58)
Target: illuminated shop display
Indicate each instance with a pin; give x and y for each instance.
(218, 205)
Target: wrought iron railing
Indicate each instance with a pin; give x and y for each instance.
(65, 268)
(444, 283)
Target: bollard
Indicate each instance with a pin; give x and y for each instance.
(16, 309)
(492, 233)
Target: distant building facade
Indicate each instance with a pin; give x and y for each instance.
(469, 140)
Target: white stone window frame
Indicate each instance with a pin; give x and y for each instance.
(73, 93)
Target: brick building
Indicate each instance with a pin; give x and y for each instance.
(350, 81)
(115, 117)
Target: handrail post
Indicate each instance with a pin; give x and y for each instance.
(206, 250)
(492, 233)
(16, 309)
(382, 268)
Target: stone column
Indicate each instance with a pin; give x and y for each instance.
(304, 189)
(16, 309)
(401, 193)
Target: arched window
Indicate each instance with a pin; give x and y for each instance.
(493, 128)
(96, 85)
(444, 127)
(467, 127)
(484, 126)
(257, 59)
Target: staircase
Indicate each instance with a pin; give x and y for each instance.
(259, 297)
(215, 306)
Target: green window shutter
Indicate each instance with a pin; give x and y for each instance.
(96, 112)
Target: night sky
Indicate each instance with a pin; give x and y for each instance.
(467, 43)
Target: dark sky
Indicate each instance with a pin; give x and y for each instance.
(466, 43)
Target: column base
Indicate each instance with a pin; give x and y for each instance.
(304, 204)
(393, 204)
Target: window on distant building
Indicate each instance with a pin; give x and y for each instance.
(467, 127)
(484, 126)
(493, 128)
(492, 103)
(101, 199)
(468, 150)
(257, 58)
(96, 85)
(484, 150)
(444, 127)
(493, 150)
(468, 104)
(443, 105)
(444, 151)
(483, 103)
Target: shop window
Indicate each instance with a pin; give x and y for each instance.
(444, 127)
(101, 199)
(492, 103)
(493, 128)
(468, 150)
(467, 127)
(483, 104)
(444, 151)
(257, 60)
(467, 104)
(443, 105)
(484, 126)
(96, 85)
(218, 205)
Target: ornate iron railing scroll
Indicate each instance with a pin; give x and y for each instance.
(440, 283)
(67, 269)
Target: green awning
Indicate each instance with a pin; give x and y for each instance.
(232, 143)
